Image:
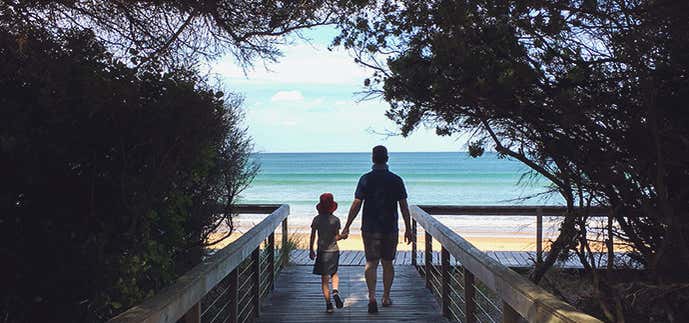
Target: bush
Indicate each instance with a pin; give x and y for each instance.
(111, 176)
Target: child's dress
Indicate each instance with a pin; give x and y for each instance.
(328, 254)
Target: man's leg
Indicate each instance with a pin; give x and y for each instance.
(388, 277)
(389, 251)
(370, 273)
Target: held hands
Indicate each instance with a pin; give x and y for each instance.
(344, 234)
(312, 255)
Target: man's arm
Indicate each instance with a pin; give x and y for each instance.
(408, 235)
(353, 212)
(312, 254)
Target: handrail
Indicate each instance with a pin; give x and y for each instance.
(520, 296)
(182, 299)
(539, 211)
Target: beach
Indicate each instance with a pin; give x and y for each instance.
(354, 242)
(452, 178)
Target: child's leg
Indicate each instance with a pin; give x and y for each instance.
(326, 288)
(336, 281)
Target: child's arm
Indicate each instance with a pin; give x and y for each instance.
(312, 254)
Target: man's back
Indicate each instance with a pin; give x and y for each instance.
(380, 190)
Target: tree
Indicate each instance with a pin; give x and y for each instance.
(112, 176)
(174, 32)
(589, 94)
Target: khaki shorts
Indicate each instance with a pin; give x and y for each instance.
(380, 246)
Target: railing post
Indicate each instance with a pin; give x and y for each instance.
(445, 281)
(271, 260)
(233, 294)
(413, 243)
(469, 301)
(193, 315)
(256, 290)
(283, 250)
(509, 315)
(428, 258)
(610, 245)
(539, 234)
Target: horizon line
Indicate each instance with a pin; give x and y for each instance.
(355, 152)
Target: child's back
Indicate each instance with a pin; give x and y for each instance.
(327, 226)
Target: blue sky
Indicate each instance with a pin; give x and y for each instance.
(307, 102)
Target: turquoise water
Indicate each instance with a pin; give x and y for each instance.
(431, 178)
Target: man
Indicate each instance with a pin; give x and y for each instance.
(381, 191)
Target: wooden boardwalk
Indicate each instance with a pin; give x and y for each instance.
(513, 259)
(298, 298)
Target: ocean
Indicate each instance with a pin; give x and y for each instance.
(449, 178)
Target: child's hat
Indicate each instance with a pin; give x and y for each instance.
(327, 203)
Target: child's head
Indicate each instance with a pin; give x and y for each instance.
(327, 204)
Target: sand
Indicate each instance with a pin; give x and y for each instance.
(517, 243)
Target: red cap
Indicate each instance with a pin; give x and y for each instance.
(327, 203)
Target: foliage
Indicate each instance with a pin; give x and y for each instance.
(111, 176)
(174, 31)
(590, 94)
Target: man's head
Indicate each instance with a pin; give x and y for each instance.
(379, 155)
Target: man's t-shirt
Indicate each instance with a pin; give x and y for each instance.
(327, 226)
(380, 189)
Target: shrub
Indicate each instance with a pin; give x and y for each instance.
(111, 176)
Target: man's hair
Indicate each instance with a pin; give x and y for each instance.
(379, 154)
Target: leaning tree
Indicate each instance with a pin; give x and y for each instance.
(589, 94)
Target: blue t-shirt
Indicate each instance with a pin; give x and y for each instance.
(380, 189)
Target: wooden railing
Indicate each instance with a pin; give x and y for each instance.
(229, 285)
(471, 286)
(538, 211)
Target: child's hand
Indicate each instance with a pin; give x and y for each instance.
(312, 255)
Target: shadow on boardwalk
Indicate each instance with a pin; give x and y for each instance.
(298, 298)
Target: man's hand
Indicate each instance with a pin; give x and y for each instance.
(408, 236)
(345, 233)
(312, 255)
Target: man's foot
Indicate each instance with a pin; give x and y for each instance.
(329, 307)
(338, 300)
(372, 307)
(386, 301)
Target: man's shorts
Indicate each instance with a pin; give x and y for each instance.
(380, 246)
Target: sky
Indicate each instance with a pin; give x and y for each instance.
(308, 102)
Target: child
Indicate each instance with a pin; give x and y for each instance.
(327, 259)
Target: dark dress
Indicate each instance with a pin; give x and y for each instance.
(328, 254)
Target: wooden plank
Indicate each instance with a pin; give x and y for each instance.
(528, 300)
(172, 303)
(297, 298)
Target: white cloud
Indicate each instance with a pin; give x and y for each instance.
(288, 96)
(301, 64)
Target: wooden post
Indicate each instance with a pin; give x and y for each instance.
(193, 315)
(539, 235)
(233, 293)
(428, 258)
(445, 281)
(610, 245)
(509, 315)
(271, 260)
(413, 243)
(285, 256)
(256, 290)
(469, 300)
